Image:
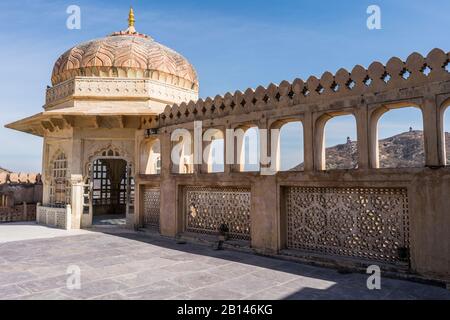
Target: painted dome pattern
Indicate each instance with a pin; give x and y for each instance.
(125, 54)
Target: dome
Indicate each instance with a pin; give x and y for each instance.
(126, 54)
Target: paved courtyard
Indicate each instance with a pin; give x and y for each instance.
(132, 265)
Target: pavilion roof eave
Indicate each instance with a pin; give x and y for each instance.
(28, 125)
(39, 123)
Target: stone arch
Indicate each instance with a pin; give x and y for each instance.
(52, 157)
(108, 151)
(444, 152)
(109, 169)
(150, 156)
(276, 146)
(181, 152)
(374, 119)
(240, 133)
(319, 137)
(58, 177)
(211, 162)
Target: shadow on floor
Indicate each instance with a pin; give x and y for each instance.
(109, 220)
(311, 282)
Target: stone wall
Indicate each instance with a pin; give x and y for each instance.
(418, 217)
(18, 213)
(19, 192)
(54, 217)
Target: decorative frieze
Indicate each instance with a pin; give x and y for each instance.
(97, 87)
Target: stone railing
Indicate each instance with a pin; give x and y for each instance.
(55, 217)
(20, 212)
(60, 92)
(396, 74)
(96, 87)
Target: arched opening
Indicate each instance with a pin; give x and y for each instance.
(213, 151)
(182, 152)
(59, 182)
(150, 157)
(291, 153)
(400, 138)
(112, 190)
(247, 148)
(446, 133)
(339, 142)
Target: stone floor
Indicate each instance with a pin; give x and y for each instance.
(110, 220)
(129, 265)
(17, 231)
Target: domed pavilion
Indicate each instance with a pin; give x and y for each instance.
(105, 93)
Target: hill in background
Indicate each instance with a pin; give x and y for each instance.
(402, 150)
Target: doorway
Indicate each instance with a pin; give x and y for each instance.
(112, 191)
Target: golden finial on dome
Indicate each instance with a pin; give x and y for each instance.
(131, 31)
(131, 21)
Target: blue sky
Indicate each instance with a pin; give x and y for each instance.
(233, 45)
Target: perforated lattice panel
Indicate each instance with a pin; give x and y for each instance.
(51, 218)
(43, 218)
(61, 220)
(151, 207)
(370, 223)
(207, 208)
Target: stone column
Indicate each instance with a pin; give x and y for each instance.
(274, 147)
(76, 182)
(431, 126)
(138, 208)
(206, 166)
(362, 131)
(229, 150)
(265, 216)
(138, 154)
(374, 113)
(69, 217)
(319, 123)
(308, 142)
(38, 205)
(238, 154)
(25, 211)
(170, 224)
(45, 168)
(269, 148)
(76, 160)
(197, 149)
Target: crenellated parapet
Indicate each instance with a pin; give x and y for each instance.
(377, 78)
(19, 178)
